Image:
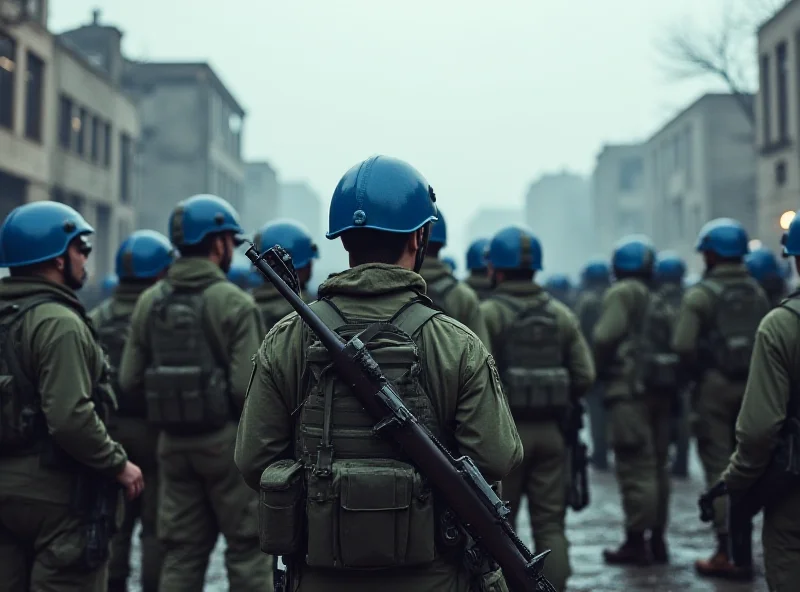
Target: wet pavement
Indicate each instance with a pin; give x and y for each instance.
(600, 526)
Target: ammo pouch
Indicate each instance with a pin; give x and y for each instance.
(539, 389)
(187, 398)
(369, 514)
(281, 511)
(733, 357)
(661, 372)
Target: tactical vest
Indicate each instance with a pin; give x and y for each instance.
(531, 360)
(657, 366)
(351, 497)
(186, 385)
(482, 288)
(22, 423)
(738, 309)
(272, 310)
(437, 290)
(672, 293)
(589, 309)
(113, 331)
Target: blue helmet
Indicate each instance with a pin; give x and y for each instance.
(515, 247)
(39, 231)
(144, 254)
(195, 218)
(110, 282)
(450, 262)
(439, 231)
(596, 270)
(476, 254)
(724, 236)
(558, 283)
(791, 238)
(291, 236)
(763, 264)
(634, 253)
(239, 273)
(670, 266)
(381, 193)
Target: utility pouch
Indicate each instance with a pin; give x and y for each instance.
(494, 581)
(186, 396)
(370, 514)
(280, 510)
(537, 388)
(661, 372)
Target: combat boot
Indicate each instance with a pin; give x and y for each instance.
(658, 546)
(634, 551)
(719, 565)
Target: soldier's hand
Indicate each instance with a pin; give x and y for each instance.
(131, 479)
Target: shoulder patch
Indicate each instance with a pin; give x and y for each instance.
(496, 382)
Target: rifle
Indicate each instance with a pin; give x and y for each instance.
(95, 499)
(457, 480)
(577, 460)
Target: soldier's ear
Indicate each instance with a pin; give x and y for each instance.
(59, 263)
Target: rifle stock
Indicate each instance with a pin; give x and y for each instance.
(457, 480)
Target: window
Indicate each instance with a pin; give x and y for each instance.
(64, 122)
(34, 78)
(630, 172)
(783, 99)
(107, 144)
(765, 100)
(780, 173)
(94, 140)
(79, 124)
(124, 167)
(8, 54)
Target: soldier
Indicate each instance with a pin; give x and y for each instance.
(638, 413)
(239, 273)
(769, 407)
(54, 395)
(188, 353)
(299, 244)
(452, 297)
(478, 278)
(110, 282)
(382, 209)
(595, 279)
(670, 274)
(764, 267)
(545, 365)
(142, 259)
(560, 288)
(714, 336)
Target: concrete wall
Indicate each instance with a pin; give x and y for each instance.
(260, 203)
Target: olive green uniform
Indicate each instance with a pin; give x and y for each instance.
(773, 380)
(588, 306)
(638, 421)
(481, 283)
(459, 300)
(272, 306)
(716, 397)
(542, 474)
(130, 428)
(458, 376)
(41, 541)
(202, 493)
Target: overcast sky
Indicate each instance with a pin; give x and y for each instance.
(482, 97)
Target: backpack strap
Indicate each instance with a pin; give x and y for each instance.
(792, 304)
(329, 314)
(442, 287)
(17, 312)
(712, 286)
(412, 316)
(520, 309)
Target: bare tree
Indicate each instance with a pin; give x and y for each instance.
(725, 52)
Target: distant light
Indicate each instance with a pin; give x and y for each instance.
(786, 219)
(76, 124)
(6, 64)
(755, 244)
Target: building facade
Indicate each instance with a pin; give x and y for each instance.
(777, 117)
(260, 202)
(700, 166)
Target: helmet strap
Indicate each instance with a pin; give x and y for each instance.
(426, 233)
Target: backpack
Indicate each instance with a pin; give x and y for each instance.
(657, 367)
(673, 294)
(186, 386)
(112, 332)
(531, 360)
(738, 309)
(366, 506)
(438, 290)
(22, 423)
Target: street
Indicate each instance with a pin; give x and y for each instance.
(599, 526)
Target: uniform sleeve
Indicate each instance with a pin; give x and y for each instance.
(688, 324)
(65, 385)
(611, 327)
(243, 338)
(485, 430)
(578, 356)
(765, 402)
(265, 427)
(135, 353)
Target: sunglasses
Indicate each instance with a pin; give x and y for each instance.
(84, 245)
